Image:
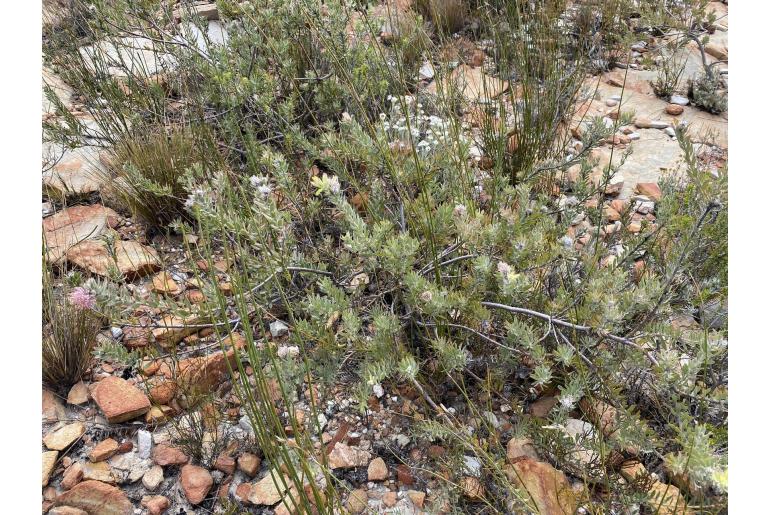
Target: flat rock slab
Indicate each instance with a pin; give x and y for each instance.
(268, 491)
(654, 155)
(344, 456)
(119, 400)
(64, 436)
(53, 409)
(96, 497)
(78, 172)
(131, 258)
(74, 225)
(62, 91)
(135, 55)
(49, 462)
(544, 486)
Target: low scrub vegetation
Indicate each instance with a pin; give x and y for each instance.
(448, 240)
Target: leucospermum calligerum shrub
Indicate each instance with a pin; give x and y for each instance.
(403, 246)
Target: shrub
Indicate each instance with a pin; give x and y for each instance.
(448, 16)
(70, 327)
(148, 170)
(670, 71)
(706, 92)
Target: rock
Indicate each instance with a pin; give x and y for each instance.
(144, 443)
(472, 488)
(649, 189)
(208, 11)
(73, 225)
(616, 79)
(49, 462)
(155, 504)
(472, 83)
(600, 414)
(716, 50)
(344, 456)
(404, 475)
(357, 501)
(128, 467)
(713, 314)
(136, 337)
(581, 431)
(132, 259)
(249, 464)
(266, 491)
(164, 455)
(172, 329)
(72, 476)
(518, 447)
(119, 400)
(225, 464)
(377, 470)
(98, 472)
(278, 328)
(96, 497)
(389, 499)
(242, 492)
(158, 415)
(541, 407)
(546, 487)
(64, 437)
(674, 110)
(66, 510)
(196, 483)
(679, 100)
(663, 499)
(204, 374)
(103, 450)
(163, 283)
(670, 132)
(471, 466)
(78, 172)
(417, 497)
(646, 123)
(78, 394)
(53, 409)
(153, 478)
(426, 71)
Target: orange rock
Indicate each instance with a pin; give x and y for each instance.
(649, 189)
(163, 283)
(96, 497)
(119, 400)
(196, 483)
(103, 450)
(155, 504)
(165, 454)
(548, 488)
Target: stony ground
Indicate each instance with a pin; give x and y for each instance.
(107, 442)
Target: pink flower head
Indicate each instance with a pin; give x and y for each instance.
(82, 298)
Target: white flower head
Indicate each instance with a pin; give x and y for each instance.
(426, 296)
(264, 190)
(567, 401)
(334, 184)
(460, 211)
(504, 268)
(257, 180)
